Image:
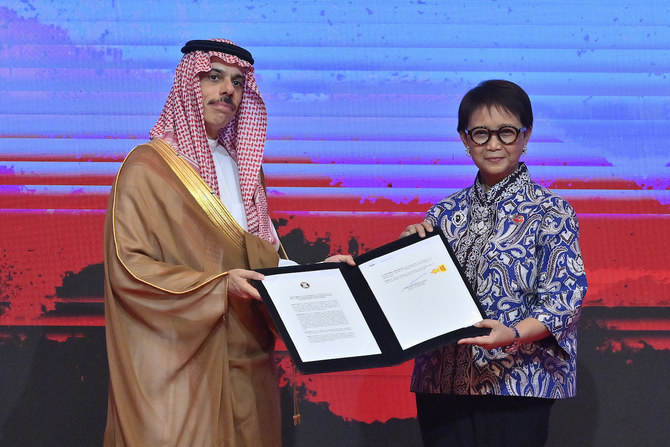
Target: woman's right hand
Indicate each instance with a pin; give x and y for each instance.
(420, 228)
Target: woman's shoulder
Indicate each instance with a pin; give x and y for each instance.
(456, 197)
(454, 205)
(549, 200)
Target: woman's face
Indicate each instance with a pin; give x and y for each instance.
(495, 159)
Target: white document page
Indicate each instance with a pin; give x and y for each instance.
(321, 315)
(420, 292)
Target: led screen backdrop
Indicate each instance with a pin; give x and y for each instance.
(362, 99)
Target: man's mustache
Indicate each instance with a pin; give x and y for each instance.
(227, 99)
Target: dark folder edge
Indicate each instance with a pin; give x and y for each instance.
(392, 353)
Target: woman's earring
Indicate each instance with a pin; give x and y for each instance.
(523, 152)
(467, 151)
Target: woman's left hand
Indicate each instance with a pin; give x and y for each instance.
(500, 335)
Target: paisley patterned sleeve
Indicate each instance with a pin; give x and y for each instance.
(561, 284)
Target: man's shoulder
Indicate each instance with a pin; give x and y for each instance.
(143, 160)
(147, 152)
(146, 148)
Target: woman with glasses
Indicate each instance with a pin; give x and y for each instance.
(517, 243)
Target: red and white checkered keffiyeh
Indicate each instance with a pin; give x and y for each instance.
(182, 125)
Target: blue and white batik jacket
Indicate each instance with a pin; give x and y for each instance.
(518, 245)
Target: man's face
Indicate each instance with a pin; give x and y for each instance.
(222, 89)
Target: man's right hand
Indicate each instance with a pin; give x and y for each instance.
(420, 228)
(239, 286)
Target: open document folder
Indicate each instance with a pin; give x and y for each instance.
(402, 299)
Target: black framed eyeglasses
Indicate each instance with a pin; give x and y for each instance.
(506, 134)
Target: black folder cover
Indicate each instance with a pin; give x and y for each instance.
(391, 351)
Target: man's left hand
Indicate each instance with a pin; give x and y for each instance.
(341, 258)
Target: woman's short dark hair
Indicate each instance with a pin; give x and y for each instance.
(496, 93)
